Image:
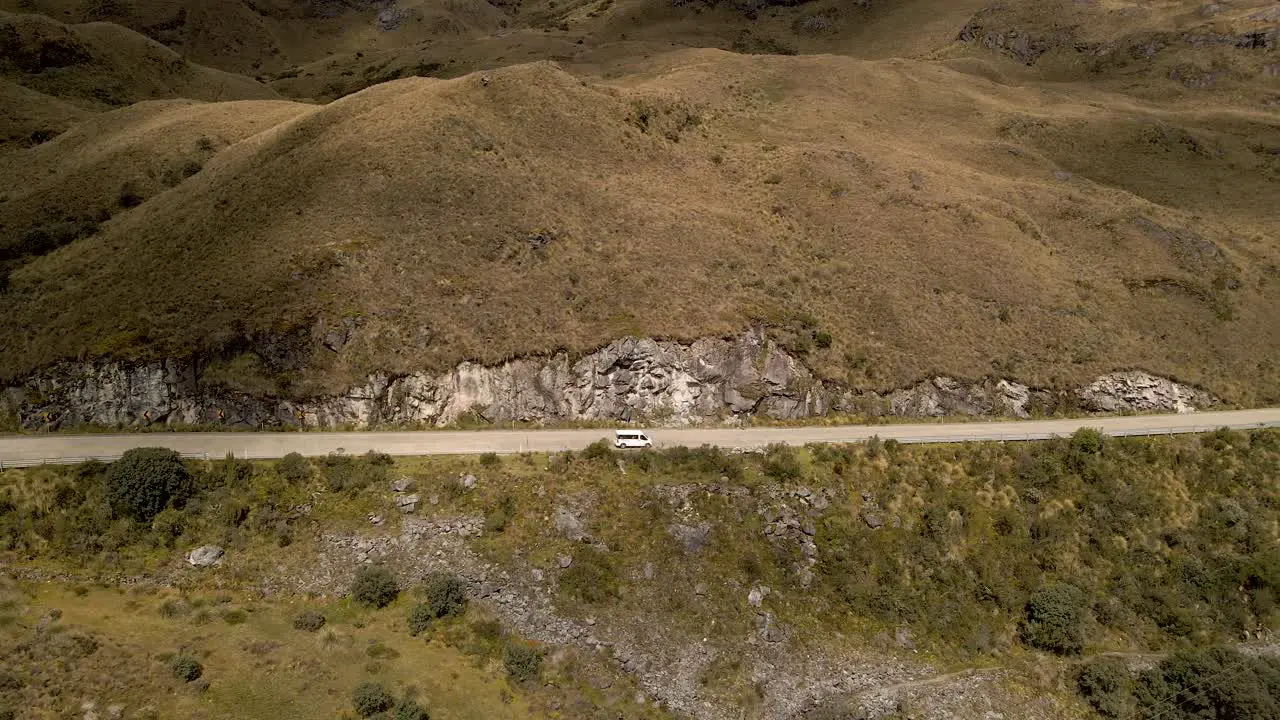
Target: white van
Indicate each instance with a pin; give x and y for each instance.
(631, 439)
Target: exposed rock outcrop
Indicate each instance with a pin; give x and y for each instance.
(641, 379)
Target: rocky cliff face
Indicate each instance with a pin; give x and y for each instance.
(640, 379)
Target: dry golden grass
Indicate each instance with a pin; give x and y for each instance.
(963, 214)
(102, 64)
(260, 668)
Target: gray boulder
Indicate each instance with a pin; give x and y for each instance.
(692, 539)
(408, 504)
(205, 556)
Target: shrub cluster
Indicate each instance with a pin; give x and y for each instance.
(444, 595)
(1214, 682)
(1055, 620)
(145, 481)
(372, 700)
(374, 586)
(308, 621)
(345, 473)
(187, 669)
(523, 662)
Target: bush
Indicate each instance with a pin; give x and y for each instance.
(145, 480)
(370, 698)
(187, 669)
(822, 339)
(346, 473)
(781, 463)
(308, 621)
(234, 617)
(129, 196)
(1210, 683)
(1105, 684)
(409, 709)
(490, 460)
(294, 468)
(591, 578)
(446, 596)
(496, 520)
(523, 663)
(374, 586)
(598, 450)
(168, 525)
(1055, 619)
(420, 618)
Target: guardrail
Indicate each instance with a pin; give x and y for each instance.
(976, 436)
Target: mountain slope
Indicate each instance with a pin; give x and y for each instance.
(927, 220)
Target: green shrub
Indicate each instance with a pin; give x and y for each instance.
(1210, 683)
(234, 617)
(409, 709)
(370, 698)
(145, 480)
(1105, 684)
(446, 595)
(495, 521)
(168, 525)
(591, 578)
(523, 662)
(420, 618)
(294, 468)
(822, 339)
(1055, 619)
(781, 463)
(374, 586)
(598, 450)
(187, 669)
(347, 473)
(490, 460)
(308, 621)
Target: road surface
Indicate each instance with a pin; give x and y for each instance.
(20, 450)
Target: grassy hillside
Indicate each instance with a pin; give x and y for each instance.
(832, 578)
(54, 75)
(111, 163)
(928, 219)
(1046, 191)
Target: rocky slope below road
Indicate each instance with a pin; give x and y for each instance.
(636, 379)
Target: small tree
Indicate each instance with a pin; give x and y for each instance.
(371, 698)
(374, 587)
(1055, 619)
(145, 480)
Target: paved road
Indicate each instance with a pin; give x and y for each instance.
(16, 450)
